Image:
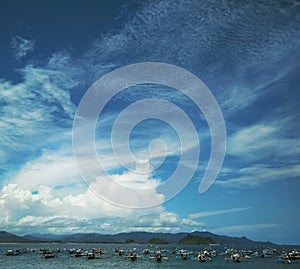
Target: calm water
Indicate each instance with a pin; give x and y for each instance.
(112, 260)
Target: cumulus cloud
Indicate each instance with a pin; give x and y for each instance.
(57, 169)
(22, 209)
(53, 168)
(49, 194)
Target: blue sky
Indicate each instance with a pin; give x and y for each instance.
(248, 55)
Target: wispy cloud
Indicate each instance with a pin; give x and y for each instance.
(258, 175)
(240, 229)
(38, 109)
(262, 141)
(217, 212)
(21, 46)
(265, 153)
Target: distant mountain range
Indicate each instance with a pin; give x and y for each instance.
(136, 237)
(11, 238)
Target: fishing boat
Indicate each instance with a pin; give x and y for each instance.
(121, 252)
(90, 256)
(183, 254)
(146, 251)
(132, 255)
(294, 255)
(201, 257)
(78, 253)
(98, 251)
(11, 252)
(283, 260)
(237, 257)
(49, 255)
(159, 257)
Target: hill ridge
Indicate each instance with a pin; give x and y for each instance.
(139, 237)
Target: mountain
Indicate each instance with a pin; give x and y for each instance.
(139, 237)
(155, 241)
(193, 239)
(146, 236)
(11, 238)
(41, 237)
(232, 241)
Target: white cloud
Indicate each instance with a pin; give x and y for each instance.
(35, 114)
(256, 175)
(139, 178)
(217, 212)
(131, 189)
(58, 171)
(264, 140)
(53, 168)
(112, 158)
(49, 195)
(251, 139)
(193, 223)
(21, 46)
(240, 229)
(52, 87)
(21, 210)
(265, 153)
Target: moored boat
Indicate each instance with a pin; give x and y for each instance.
(11, 252)
(49, 255)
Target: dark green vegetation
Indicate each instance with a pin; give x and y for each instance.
(156, 240)
(130, 241)
(192, 239)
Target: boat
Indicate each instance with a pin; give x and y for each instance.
(294, 255)
(11, 252)
(158, 256)
(91, 255)
(78, 253)
(132, 256)
(146, 251)
(202, 257)
(184, 256)
(121, 252)
(237, 257)
(283, 260)
(98, 251)
(49, 255)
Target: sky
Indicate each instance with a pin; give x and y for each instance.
(247, 53)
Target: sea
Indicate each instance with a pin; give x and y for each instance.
(33, 258)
